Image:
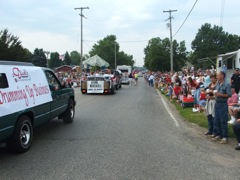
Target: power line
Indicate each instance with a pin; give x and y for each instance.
(87, 44)
(133, 41)
(186, 18)
(120, 41)
(126, 20)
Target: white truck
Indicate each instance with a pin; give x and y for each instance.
(126, 70)
(228, 62)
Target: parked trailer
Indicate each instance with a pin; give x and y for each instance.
(126, 70)
(228, 62)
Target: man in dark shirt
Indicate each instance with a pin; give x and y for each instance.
(235, 80)
(222, 93)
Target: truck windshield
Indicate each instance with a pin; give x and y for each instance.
(124, 70)
(95, 78)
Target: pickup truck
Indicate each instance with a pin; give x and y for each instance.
(101, 84)
(30, 96)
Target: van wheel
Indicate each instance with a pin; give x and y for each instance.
(22, 137)
(68, 115)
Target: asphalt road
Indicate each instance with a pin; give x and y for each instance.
(129, 135)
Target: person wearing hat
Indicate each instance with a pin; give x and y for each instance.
(235, 80)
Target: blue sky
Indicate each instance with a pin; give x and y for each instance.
(54, 25)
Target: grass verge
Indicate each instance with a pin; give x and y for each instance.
(196, 118)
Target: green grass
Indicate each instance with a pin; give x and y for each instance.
(196, 118)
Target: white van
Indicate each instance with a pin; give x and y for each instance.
(126, 70)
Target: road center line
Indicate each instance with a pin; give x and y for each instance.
(168, 110)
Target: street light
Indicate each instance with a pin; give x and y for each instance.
(47, 54)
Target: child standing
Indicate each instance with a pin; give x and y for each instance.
(177, 89)
(202, 100)
(170, 90)
(130, 78)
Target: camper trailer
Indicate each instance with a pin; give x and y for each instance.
(126, 70)
(228, 62)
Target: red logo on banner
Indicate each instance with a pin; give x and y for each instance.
(20, 74)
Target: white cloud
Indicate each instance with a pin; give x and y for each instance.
(52, 42)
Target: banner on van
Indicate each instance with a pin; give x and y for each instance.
(22, 87)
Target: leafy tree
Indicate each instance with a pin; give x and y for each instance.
(106, 49)
(28, 55)
(157, 55)
(85, 56)
(179, 54)
(10, 47)
(75, 57)
(39, 58)
(67, 59)
(211, 41)
(54, 60)
(125, 59)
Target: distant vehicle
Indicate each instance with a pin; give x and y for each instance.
(126, 70)
(140, 74)
(101, 84)
(30, 96)
(117, 75)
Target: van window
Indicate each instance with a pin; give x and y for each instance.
(52, 81)
(220, 63)
(3, 81)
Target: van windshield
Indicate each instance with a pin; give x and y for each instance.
(124, 70)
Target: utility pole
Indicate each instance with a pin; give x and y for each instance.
(81, 53)
(171, 44)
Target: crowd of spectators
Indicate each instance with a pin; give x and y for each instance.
(212, 94)
(72, 79)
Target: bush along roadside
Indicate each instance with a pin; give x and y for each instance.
(196, 118)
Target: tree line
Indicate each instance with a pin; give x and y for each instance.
(12, 50)
(209, 41)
